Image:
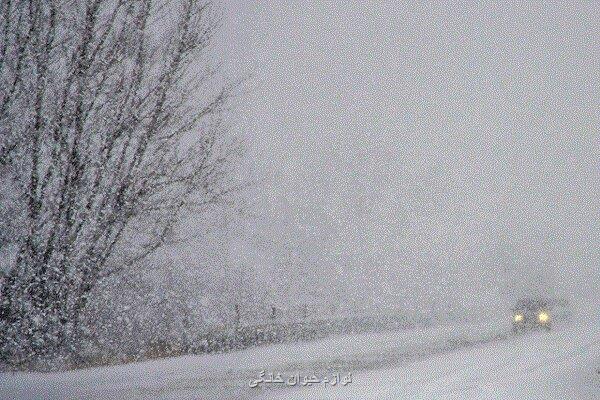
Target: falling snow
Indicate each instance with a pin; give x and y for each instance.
(192, 192)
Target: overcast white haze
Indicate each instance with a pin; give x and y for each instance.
(406, 148)
(415, 199)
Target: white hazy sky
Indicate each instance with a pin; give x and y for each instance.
(400, 141)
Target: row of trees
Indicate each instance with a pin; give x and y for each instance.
(111, 131)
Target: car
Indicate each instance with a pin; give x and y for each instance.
(532, 313)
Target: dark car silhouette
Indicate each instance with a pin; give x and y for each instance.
(531, 314)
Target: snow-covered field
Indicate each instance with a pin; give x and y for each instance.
(475, 360)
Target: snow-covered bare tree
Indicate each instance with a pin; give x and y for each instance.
(110, 130)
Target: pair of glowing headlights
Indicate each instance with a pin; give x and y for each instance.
(542, 317)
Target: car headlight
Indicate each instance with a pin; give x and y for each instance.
(543, 317)
(518, 317)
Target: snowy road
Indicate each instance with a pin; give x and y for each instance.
(564, 364)
(465, 361)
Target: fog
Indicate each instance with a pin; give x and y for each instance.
(412, 154)
(228, 197)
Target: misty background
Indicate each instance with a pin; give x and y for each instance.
(214, 176)
(417, 156)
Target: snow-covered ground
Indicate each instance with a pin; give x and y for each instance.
(564, 364)
(474, 360)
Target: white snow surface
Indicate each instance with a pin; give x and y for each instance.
(452, 361)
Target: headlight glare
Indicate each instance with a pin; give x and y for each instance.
(518, 317)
